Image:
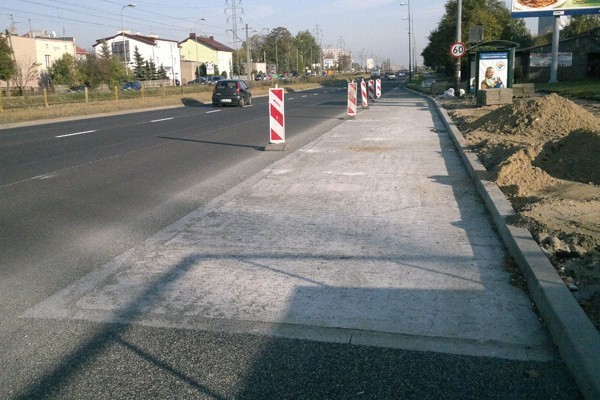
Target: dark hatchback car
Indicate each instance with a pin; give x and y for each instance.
(231, 91)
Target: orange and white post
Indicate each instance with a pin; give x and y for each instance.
(276, 116)
(363, 92)
(378, 88)
(352, 99)
(371, 89)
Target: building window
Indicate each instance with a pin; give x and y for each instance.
(119, 51)
(47, 57)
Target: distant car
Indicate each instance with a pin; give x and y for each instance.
(231, 91)
(375, 73)
(78, 89)
(196, 81)
(211, 80)
(260, 77)
(390, 75)
(133, 85)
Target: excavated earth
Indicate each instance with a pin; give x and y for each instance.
(544, 154)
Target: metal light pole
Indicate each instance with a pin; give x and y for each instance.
(458, 39)
(196, 40)
(123, 39)
(409, 40)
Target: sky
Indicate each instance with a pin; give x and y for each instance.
(369, 28)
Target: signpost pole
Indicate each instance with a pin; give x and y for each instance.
(458, 39)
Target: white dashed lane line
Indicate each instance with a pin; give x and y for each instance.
(162, 119)
(213, 111)
(74, 134)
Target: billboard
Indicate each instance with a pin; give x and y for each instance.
(492, 70)
(540, 8)
(540, 60)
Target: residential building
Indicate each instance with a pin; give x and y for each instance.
(197, 50)
(34, 55)
(162, 52)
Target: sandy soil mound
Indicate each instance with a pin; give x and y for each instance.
(547, 117)
(575, 157)
(544, 154)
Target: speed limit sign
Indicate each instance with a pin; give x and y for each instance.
(458, 49)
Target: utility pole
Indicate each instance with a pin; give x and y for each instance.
(233, 9)
(458, 39)
(248, 53)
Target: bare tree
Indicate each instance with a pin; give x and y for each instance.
(26, 72)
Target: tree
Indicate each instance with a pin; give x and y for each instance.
(25, 72)
(139, 70)
(491, 14)
(307, 50)
(579, 24)
(110, 69)
(162, 72)
(64, 71)
(277, 46)
(8, 66)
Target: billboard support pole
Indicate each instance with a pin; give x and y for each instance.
(555, 42)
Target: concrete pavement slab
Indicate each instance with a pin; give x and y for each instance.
(372, 234)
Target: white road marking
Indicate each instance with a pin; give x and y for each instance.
(74, 134)
(305, 95)
(291, 98)
(163, 119)
(213, 111)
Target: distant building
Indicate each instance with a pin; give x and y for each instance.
(163, 52)
(340, 57)
(579, 58)
(197, 50)
(35, 54)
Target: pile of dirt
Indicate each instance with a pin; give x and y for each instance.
(548, 117)
(544, 154)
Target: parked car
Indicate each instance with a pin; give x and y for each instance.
(260, 77)
(133, 85)
(211, 80)
(78, 89)
(196, 81)
(375, 73)
(231, 91)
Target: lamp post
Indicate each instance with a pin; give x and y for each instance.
(123, 39)
(196, 40)
(409, 40)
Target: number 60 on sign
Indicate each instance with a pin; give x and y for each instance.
(458, 49)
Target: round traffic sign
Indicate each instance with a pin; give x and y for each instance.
(458, 49)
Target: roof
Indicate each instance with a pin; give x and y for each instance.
(209, 42)
(151, 40)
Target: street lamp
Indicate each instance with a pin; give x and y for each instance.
(409, 40)
(123, 38)
(196, 40)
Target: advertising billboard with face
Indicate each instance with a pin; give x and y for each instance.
(493, 70)
(540, 8)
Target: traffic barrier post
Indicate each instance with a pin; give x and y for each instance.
(276, 119)
(363, 92)
(352, 99)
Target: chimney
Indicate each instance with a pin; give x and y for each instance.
(211, 37)
(193, 36)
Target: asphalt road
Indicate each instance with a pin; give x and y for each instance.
(75, 195)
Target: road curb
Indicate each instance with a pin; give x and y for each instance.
(577, 339)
